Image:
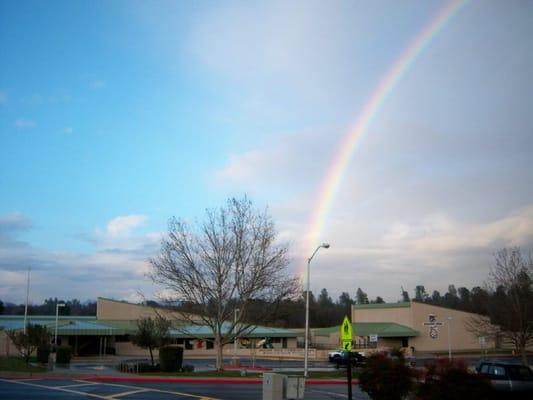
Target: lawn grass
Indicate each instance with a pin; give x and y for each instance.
(17, 364)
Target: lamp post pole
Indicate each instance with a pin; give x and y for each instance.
(449, 339)
(57, 319)
(306, 356)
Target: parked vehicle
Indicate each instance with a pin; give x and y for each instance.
(507, 377)
(341, 357)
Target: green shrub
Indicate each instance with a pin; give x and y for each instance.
(63, 355)
(170, 358)
(43, 352)
(451, 380)
(386, 377)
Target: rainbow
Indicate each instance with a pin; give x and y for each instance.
(348, 144)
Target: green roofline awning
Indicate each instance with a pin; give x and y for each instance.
(90, 326)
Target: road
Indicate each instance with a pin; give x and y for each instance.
(76, 389)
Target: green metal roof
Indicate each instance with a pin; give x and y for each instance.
(202, 331)
(15, 322)
(90, 326)
(383, 305)
(67, 325)
(382, 329)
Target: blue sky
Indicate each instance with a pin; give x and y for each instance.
(116, 115)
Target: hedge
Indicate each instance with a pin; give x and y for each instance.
(63, 355)
(170, 358)
(43, 351)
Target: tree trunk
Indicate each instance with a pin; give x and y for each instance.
(523, 352)
(524, 356)
(151, 355)
(219, 359)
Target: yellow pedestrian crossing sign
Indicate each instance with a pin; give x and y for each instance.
(346, 334)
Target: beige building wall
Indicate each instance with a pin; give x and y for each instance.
(416, 315)
(7, 348)
(400, 315)
(107, 309)
(460, 338)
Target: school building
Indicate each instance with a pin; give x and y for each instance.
(412, 326)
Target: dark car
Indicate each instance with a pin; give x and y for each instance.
(507, 377)
(342, 358)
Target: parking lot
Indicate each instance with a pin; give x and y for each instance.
(75, 389)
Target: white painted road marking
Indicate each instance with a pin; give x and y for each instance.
(133, 389)
(54, 388)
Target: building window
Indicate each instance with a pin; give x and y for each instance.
(284, 343)
(209, 344)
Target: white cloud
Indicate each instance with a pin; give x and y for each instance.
(117, 266)
(24, 123)
(68, 130)
(439, 233)
(10, 223)
(3, 98)
(122, 225)
(294, 159)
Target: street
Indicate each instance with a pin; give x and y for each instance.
(74, 389)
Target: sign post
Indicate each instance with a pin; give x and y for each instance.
(346, 341)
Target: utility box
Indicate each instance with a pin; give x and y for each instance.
(294, 387)
(272, 386)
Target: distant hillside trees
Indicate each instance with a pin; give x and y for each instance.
(48, 307)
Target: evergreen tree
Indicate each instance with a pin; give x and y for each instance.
(323, 299)
(405, 296)
(420, 293)
(436, 297)
(362, 297)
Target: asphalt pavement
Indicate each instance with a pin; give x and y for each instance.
(76, 389)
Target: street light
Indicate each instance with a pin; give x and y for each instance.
(449, 339)
(57, 318)
(326, 246)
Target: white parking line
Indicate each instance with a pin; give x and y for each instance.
(133, 389)
(18, 382)
(156, 390)
(76, 385)
(130, 392)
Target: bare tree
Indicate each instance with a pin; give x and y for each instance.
(151, 333)
(224, 264)
(510, 301)
(27, 342)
